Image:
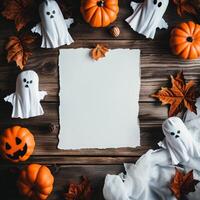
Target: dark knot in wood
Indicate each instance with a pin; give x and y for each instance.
(52, 128)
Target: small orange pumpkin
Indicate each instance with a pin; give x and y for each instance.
(36, 182)
(185, 40)
(17, 144)
(99, 13)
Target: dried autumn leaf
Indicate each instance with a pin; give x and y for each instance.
(80, 191)
(181, 95)
(182, 184)
(18, 49)
(99, 52)
(20, 11)
(185, 6)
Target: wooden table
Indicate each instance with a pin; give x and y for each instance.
(157, 63)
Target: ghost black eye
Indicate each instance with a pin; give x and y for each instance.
(159, 4)
(53, 11)
(48, 13)
(24, 80)
(18, 141)
(178, 131)
(155, 2)
(31, 81)
(8, 146)
(172, 133)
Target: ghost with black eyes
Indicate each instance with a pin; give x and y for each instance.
(148, 16)
(179, 142)
(27, 97)
(53, 27)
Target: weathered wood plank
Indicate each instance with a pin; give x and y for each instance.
(77, 160)
(63, 176)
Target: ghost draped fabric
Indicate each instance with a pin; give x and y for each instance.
(148, 16)
(53, 27)
(27, 97)
(148, 179)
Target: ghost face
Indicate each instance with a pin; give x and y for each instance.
(155, 9)
(50, 12)
(175, 129)
(27, 81)
(158, 5)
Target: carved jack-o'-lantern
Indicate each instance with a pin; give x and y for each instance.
(17, 144)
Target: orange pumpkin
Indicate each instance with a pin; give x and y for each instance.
(17, 144)
(99, 13)
(36, 182)
(185, 40)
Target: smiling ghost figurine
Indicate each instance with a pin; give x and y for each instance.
(148, 16)
(53, 27)
(26, 99)
(179, 142)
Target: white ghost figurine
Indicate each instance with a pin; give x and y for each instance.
(53, 27)
(180, 143)
(148, 179)
(148, 16)
(26, 99)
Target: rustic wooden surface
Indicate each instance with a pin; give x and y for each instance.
(157, 63)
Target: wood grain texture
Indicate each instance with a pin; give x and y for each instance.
(157, 63)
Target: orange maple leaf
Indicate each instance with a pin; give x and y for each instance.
(181, 95)
(18, 50)
(185, 6)
(82, 191)
(98, 52)
(182, 184)
(20, 11)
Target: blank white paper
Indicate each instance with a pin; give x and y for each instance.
(99, 99)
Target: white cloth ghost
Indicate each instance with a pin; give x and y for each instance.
(148, 16)
(53, 26)
(179, 142)
(192, 121)
(148, 179)
(26, 99)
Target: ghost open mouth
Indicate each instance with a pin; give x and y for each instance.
(17, 154)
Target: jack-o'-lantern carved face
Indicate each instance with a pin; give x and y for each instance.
(17, 144)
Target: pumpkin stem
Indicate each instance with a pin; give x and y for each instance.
(100, 3)
(189, 39)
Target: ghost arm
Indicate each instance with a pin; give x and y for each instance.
(162, 144)
(135, 5)
(42, 94)
(163, 24)
(68, 22)
(9, 98)
(37, 29)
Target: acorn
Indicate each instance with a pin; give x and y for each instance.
(114, 31)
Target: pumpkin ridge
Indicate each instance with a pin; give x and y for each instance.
(35, 182)
(86, 9)
(90, 15)
(181, 31)
(94, 17)
(192, 27)
(186, 52)
(110, 13)
(111, 9)
(185, 27)
(105, 18)
(184, 46)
